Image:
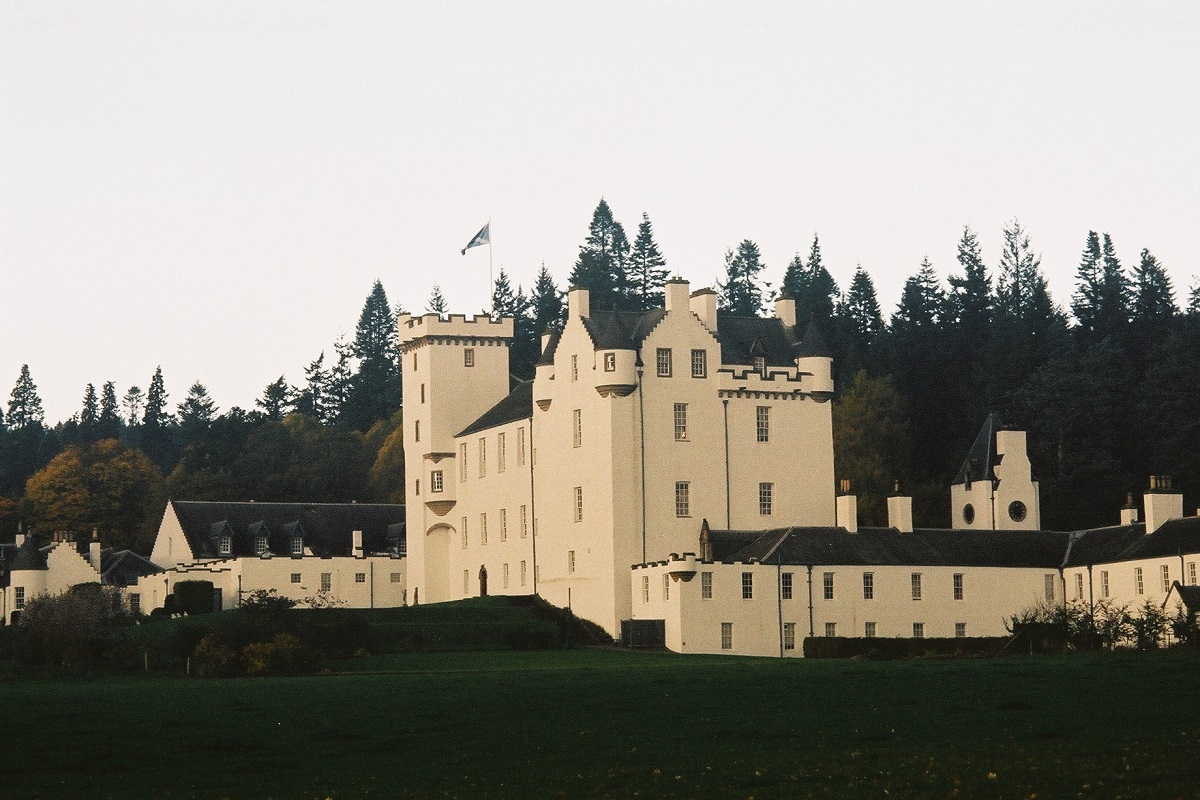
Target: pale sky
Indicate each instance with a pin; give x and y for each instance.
(214, 187)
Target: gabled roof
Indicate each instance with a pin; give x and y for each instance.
(813, 344)
(28, 556)
(1131, 543)
(745, 338)
(981, 458)
(124, 567)
(326, 527)
(1190, 595)
(516, 406)
(621, 330)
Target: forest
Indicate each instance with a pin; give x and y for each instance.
(1102, 383)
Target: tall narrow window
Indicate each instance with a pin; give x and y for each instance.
(918, 630)
(483, 528)
(747, 585)
(466, 582)
(1166, 578)
(699, 363)
(869, 630)
(521, 447)
(760, 365)
(789, 636)
(435, 481)
(500, 454)
(763, 423)
(577, 428)
(726, 635)
(868, 586)
(958, 586)
(1191, 573)
(785, 585)
(504, 525)
(1104, 583)
(226, 544)
(916, 586)
(422, 394)
(524, 523)
(579, 504)
(960, 630)
(462, 462)
(417, 431)
(645, 588)
(469, 357)
(466, 542)
(417, 487)
(681, 422)
(574, 368)
(682, 505)
(1049, 587)
(831, 629)
(326, 581)
(505, 573)
(1078, 585)
(571, 562)
(765, 492)
(482, 456)
(706, 586)
(610, 362)
(666, 587)
(522, 573)
(19, 598)
(663, 362)
(827, 585)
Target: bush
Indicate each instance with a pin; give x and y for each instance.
(881, 648)
(69, 632)
(214, 659)
(283, 655)
(194, 597)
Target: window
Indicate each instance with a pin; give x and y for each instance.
(297, 547)
(699, 363)
(681, 422)
(414, 362)
(326, 581)
(681, 499)
(577, 429)
(521, 447)
(435, 481)
(645, 588)
(868, 586)
(483, 528)
(466, 582)
(1017, 511)
(465, 541)
(20, 598)
(422, 394)
(417, 487)
(663, 362)
(960, 630)
(726, 627)
(958, 586)
(762, 423)
(500, 454)
(1166, 578)
(260, 545)
(610, 362)
(827, 585)
(831, 629)
(505, 574)
(1049, 587)
(135, 602)
(524, 523)
(747, 585)
(571, 562)
(469, 357)
(706, 586)
(760, 365)
(504, 525)
(295, 577)
(918, 630)
(462, 462)
(522, 573)
(1078, 585)
(396, 577)
(916, 586)
(1104, 583)
(968, 513)
(789, 636)
(579, 504)
(785, 585)
(417, 430)
(764, 498)
(226, 544)
(482, 456)
(666, 587)
(360, 577)
(1191, 573)
(869, 630)
(574, 368)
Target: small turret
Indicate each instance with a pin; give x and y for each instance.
(814, 359)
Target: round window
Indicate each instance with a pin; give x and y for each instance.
(1017, 511)
(968, 513)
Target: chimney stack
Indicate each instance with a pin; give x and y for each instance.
(356, 545)
(900, 511)
(94, 550)
(1162, 503)
(785, 310)
(1129, 512)
(579, 302)
(676, 293)
(847, 508)
(704, 305)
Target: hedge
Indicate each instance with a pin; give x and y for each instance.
(878, 647)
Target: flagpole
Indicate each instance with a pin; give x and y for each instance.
(491, 278)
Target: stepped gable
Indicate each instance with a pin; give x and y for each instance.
(326, 527)
(745, 338)
(28, 556)
(813, 344)
(981, 458)
(925, 547)
(547, 357)
(124, 567)
(518, 405)
(621, 330)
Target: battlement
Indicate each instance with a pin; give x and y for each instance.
(480, 326)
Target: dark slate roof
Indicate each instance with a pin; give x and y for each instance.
(1129, 542)
(28, 556)
(745, 338)
(888, 547)
(517, 406)
(326, 527)
(621, 330)
(1103, 545)
(981, 459)
(124, 567)
(547, 357)
(813, 344)
(1190, 595)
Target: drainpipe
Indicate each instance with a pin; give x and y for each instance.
(725, 404)
(779, 597)
(642, 433)
(1062, 580)
(1091, 602)
(532, 507)
(810, 602)
(371, 588)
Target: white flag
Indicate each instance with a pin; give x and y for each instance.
(483, 237)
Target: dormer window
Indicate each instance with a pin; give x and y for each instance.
(297, 545)
(760, 365)
(225, 544)
(260, 545)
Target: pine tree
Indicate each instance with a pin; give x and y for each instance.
(647, 269)
(795, 284)
(108, 425)
(375, 389)
(156, 436)
(1154, 298)
(860, 308)
(275, 400)
(922, 302)
(603, 261)
(743, 291)
(970, 300)
(315, 400)
(89, 415)
(437, 303)
(24, 404)
(1193, 306)
(341, 378)
(132, 402)
(1021, 291)
(1116, 289)
(547, 304)
(196, 412)
(1085, 305)
(156, 415)
(503, 297)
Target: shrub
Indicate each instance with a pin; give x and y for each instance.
(68, 632)
(194, 597)
(1149, 626)
(214, 659)
(283, 655)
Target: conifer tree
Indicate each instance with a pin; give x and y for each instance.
(547, 304)
(1021, 292)
(970, 300)
(795, 283)
(315, 399)
(603, 261)
(1085, 304)
(503, 297)
(743, 291)
(375, 389)
(922, 303)
(275, 400)
(860, 308)
(1154, 298)
(823, 289)
(108, 425)
(89, 415)
(196, 411)
(647, 270)
(156, 415)
(24, 404)
(1193, 305)
(437, 303)
(132, 402)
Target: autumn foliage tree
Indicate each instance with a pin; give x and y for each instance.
(104, 486)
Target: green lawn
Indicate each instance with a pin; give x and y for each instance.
(617, 724)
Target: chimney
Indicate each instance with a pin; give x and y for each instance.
(94, 550)
(356, 547)
(847, 508)
(1129, 515)
(579, 302)
(1162, 504)
(676, 291)
(900, 511)
(20, 540)
(785, 310)
(704, 306)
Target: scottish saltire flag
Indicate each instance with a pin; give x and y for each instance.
(483, 237)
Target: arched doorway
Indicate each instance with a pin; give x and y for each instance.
(483, 581)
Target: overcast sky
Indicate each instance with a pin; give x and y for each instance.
(214, 187)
